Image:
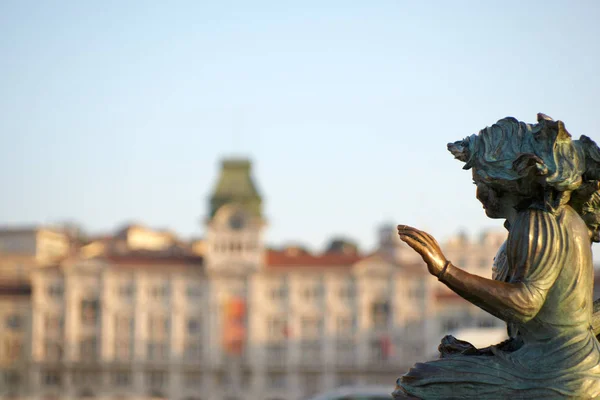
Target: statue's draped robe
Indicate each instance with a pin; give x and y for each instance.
(549, 304)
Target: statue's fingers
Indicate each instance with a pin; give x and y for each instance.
(423, 236)
(413, 242)
(408, 230)
(418, 235)
(427, 238)
(405, 228)
(412, 234)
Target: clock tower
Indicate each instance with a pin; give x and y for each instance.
(235, 224)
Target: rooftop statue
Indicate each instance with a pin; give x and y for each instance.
(545, 185)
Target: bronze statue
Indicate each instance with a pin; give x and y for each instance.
(545, 186)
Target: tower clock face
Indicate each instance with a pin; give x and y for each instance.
(236, 222)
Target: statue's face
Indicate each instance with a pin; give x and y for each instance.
(490, 199)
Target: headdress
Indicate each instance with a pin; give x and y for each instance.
(525, 159)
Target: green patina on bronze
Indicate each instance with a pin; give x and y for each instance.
(545, 185)
(235, 185)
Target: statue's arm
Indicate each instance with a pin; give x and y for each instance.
(533, 252)
(511, 302)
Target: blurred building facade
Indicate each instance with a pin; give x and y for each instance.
(144, 314)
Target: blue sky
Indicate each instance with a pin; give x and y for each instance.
(120, 111)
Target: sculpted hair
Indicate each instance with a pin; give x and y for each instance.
(538, 161)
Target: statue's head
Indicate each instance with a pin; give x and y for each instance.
(515, 164)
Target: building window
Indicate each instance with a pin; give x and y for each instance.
(380, 349)
(450, 325)
(277, 328)
(53, 324)
(416, 291)
(486, 323)
(346, 380)
(310, 352)
(194, 291)
(311, 383)
(14, 322)
(345, 353)
(193, 351)
(87, 349)
(380, 314)
(346, 292)
(156, 379)
(192, 379)
(223, 379)
(276, 354)
(12, 379)
(159, 292)
(126, 290)
(124, 328)
(157, 351)
(53, 351)
(123, 350)
(311, 327)
(246, 379)
(193, 326)
(235, 247)
(55, 290)
(345, 325)
(12, 348)
(278, 293)
(123, 325)
(84, 378)
(121, 378)
(51, 378)
(89, 311)
(277, 380)
(417, 350)
(158, 327)
(311, 293)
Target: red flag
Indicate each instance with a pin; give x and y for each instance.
(387, 348)
(286, 331)
(234, 326)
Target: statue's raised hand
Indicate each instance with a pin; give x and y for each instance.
(424, 244)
